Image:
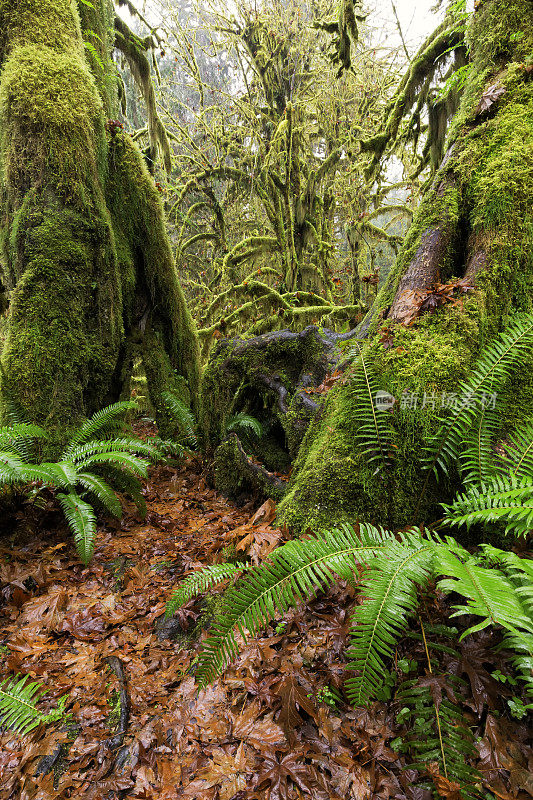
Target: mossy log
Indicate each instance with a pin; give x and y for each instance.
(267, 377)
(83, 251)
(473, 225)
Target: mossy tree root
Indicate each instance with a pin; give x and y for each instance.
(269, 377)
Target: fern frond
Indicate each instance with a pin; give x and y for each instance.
(80, 454)
(476, 460)
(126, 483)
(168, 448)
(200, 581)
(521, 647)
(82, 523)
(519, 450)
(490, 372)
(293, 572)
(438, 733)
(372, 426)
(390, 592)
(18, 704)
(11, 468)
(101, 490)
(507, 501)
(126, 461)
(101, 423)
(489, 593)
(519, 642)
(62, 474)
(244, 422)
(183, 417)
(20, 439)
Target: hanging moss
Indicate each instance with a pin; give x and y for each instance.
(50, 23)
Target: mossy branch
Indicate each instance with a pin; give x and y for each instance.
(134, 50)
(448, 36)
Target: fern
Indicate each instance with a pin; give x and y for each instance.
(125, 482)
(183, 417)
(200, 581)
(133, 445)
(121, 460)
(82, 523)
(390, 592)
(491, 370)
(99, 489)
(19, 439)
(245, 423)
(124, 460)
(293, 572)
(18, 705)
(476, 460)
(503, 500)
(100, 425)
(436, 732)
(373, 431)
(519, 450)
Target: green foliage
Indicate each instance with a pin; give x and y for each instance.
(18, 705)
(489, 374)
(506, 501)
(501, 595)
(183, 417)
(93, 457)
(390, 589)
(396, 566)
(373, 432)
(244, 423)
(82, 523)
(437, 731)
(200, 581)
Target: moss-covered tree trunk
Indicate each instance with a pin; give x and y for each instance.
(86, 265)
(475, 223)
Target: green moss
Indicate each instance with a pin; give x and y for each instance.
(332, 483)
(233, 479)
(499, 34)
(171, 354)
(61, 346)
(50, 122)
(52, 23)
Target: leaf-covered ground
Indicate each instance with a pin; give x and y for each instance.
(271, 728)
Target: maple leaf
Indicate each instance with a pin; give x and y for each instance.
(229, 772)
(293, 697)
(263, 690)
(276, 773)
(257, 732)
(475, 653)
(84, 625)
(450, 790)
(490, 96)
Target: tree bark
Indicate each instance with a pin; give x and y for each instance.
(84, 255)
(473, 226)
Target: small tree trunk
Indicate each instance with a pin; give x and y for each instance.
(86, 260)
(473, 224)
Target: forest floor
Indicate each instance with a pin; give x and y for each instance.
(269, 729)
